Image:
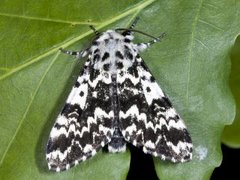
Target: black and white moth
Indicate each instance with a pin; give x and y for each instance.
(115, 101)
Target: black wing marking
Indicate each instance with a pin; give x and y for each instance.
(148, 119)
(85, 124)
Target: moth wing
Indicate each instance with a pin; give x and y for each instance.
(148, 119)
(83, 127)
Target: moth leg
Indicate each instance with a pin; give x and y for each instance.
(94, 30)
(142, 46)
(128, 33)
(78, 54)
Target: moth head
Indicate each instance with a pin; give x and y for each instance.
(109, 35)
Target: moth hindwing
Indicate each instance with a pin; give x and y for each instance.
(116, 100)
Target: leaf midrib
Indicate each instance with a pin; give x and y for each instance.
(137, 7)
(190, 56)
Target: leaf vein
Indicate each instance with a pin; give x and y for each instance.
(211, 25)
(200, 42)
(28, 108)
(138, 7)
(194, 24)
(47, 19)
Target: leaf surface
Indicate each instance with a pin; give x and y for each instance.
(196, 74)
(191, 64)
(231, 133)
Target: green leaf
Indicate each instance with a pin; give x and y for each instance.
(194, 71)
(191, 64)
(203, 33)
(35, 80)
(231, 134)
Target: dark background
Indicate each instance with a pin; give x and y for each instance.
(142, 166)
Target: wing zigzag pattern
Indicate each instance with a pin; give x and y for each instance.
(151, 122)
(115, 101)
(79, 132)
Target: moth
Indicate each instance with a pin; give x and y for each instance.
(116, 100)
